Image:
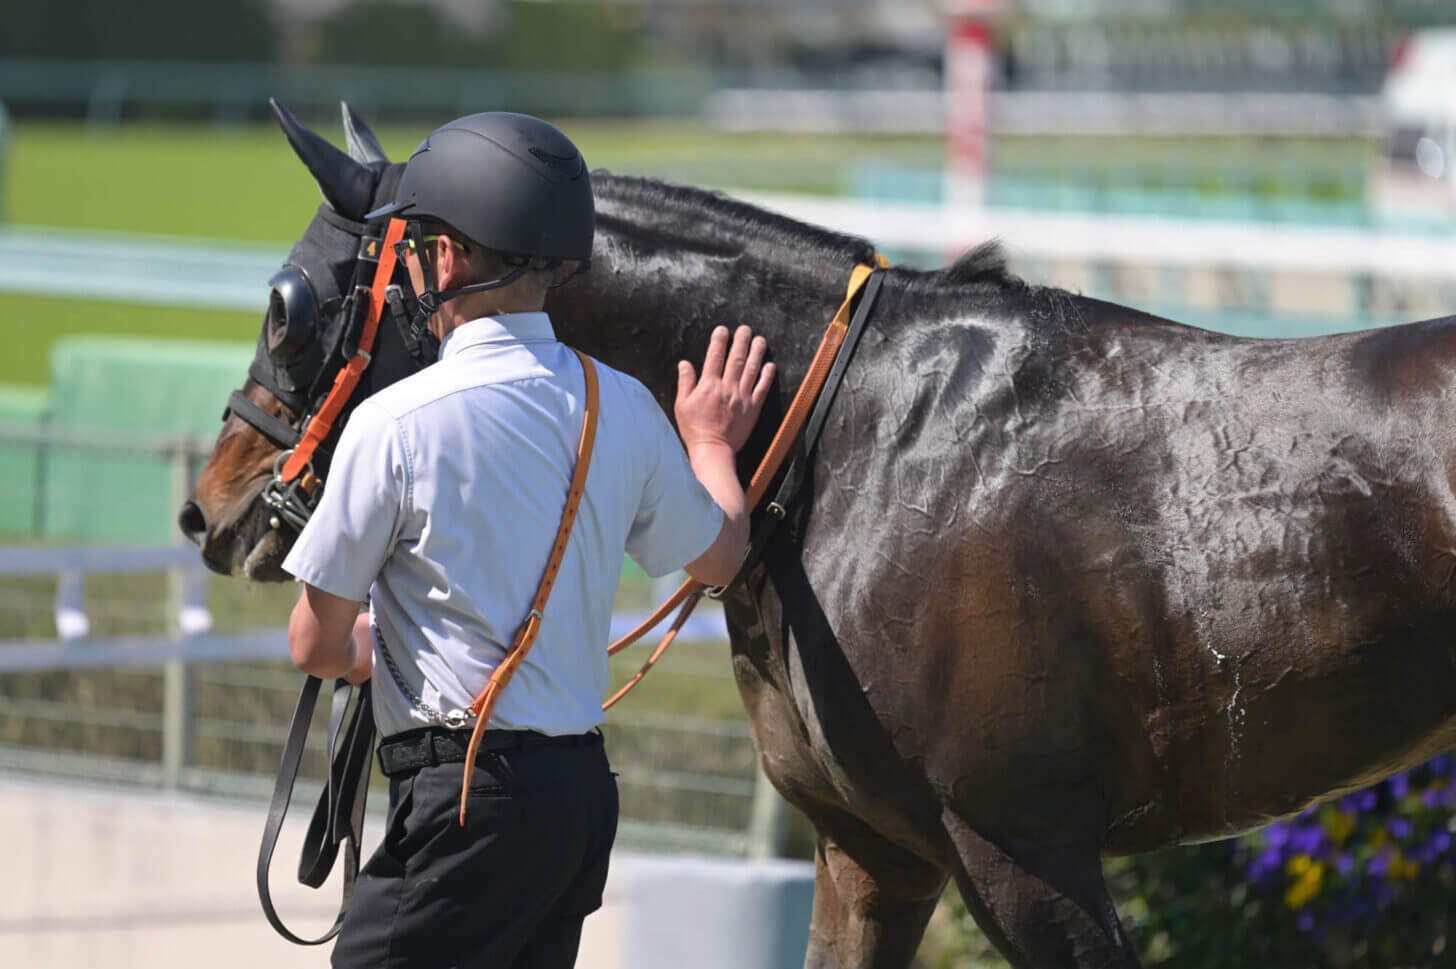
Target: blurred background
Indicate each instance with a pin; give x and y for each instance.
(1274, 169)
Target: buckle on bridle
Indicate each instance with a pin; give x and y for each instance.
(291, 501)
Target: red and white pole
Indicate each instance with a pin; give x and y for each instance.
(970, 62)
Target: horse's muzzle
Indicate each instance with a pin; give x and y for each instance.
(192, 520)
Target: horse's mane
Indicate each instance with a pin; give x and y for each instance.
(711, 220)
(717, 220)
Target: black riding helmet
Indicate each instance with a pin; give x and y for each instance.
(508, 182)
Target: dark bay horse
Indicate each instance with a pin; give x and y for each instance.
(1068, 580)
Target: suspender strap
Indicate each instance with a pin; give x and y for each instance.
(348, 376)
(526, 634)
(339, 815)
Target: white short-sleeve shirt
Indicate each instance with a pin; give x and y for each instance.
(442, 502)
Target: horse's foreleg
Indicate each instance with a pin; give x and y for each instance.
(872, 900)
(1045, 908)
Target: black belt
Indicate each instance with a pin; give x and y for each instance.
(429, 746)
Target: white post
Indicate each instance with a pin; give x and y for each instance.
(71, 619)
(182, 593)
(969, 65)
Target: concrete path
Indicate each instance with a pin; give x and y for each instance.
(98, 878)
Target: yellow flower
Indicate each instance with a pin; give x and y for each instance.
(1403, 867)
(1339, 825)
(1309, 876)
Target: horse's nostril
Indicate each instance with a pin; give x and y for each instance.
(192, 521)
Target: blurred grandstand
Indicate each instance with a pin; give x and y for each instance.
(646, 57)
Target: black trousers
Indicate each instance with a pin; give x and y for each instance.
(510, 889)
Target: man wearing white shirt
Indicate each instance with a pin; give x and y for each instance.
(444, 497)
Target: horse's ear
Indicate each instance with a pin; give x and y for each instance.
(347, 185)
(363, 146)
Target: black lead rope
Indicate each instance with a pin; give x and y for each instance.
(339, 814)
(777, 509)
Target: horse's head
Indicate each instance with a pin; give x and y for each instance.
(241, 514)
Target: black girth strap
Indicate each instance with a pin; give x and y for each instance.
(776, 510)
(339, 815)
(276, 431)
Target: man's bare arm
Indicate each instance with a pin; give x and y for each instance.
(328, 637)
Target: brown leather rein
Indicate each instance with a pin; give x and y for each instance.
(691, 592)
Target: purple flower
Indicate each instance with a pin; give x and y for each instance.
(1400, 828)
(1400, 786)
(1379, 864)
(1305, 921)
(1434, 849)
(1265, 868)
(1344, 863)
(1308, 841)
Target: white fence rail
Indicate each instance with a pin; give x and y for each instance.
(705, 758)
(1328, 271)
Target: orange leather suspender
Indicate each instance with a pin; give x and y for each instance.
(783, 441)
(526, 634)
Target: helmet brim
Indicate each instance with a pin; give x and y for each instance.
(392, 208)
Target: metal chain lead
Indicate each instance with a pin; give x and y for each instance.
(454, 720)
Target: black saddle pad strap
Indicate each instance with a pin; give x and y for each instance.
(338, 817)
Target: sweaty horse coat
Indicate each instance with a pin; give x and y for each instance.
(1066, 579)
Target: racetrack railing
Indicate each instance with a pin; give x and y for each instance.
(203, 704)
(131, 663)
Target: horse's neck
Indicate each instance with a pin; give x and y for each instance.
(641, 313)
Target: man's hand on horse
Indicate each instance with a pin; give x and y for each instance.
(715, 412)
(720, 406)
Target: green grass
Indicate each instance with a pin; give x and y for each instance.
(32, 323)
(245, 182)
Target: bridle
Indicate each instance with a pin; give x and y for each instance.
(292, 491)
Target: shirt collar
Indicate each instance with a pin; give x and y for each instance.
(505, 328)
